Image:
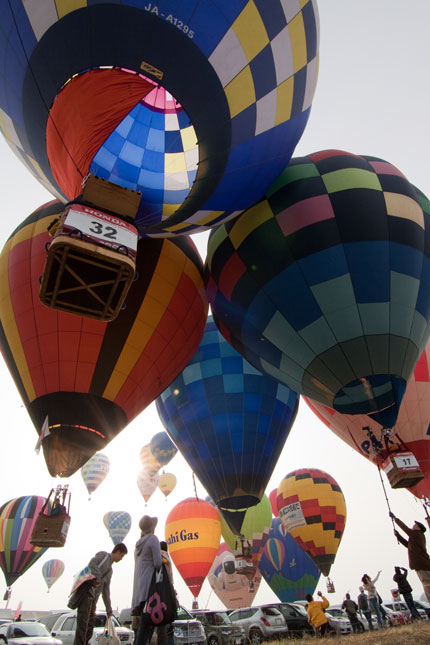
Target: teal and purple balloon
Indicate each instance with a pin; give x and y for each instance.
(286, 568)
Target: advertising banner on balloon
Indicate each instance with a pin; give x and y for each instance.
(232, 588)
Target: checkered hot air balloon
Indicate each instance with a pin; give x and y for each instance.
(324, 284)
(118, 523)
(312, 509)
(196, 105)
(95, 471)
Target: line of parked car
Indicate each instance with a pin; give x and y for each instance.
(250, 625)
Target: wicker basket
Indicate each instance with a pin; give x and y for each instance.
(53, 521)
(402, 469)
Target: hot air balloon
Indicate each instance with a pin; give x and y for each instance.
(193, 532)
(289, 289)
(198, 109)
(88, 377)
(17, 519)
(286, 568)
(229, 421)
(162, 448)
(233, 589)
(95, 471)
(312, 509)
(118, 523)
(166, 483)
(148, 461)
(411, 427)
(147, 483)
(253, 530)
(51, 571)
(273, 503)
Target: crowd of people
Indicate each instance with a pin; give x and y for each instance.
(151, 556)
(368, 600)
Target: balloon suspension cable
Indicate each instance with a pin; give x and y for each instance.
(425, 501)
(195, 487)
(386, 499)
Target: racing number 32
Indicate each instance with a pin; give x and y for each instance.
(103, 229)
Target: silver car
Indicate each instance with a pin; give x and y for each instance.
(260, 623)
(28, 633)
(64, 628)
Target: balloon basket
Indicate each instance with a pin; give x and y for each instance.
(53, 521)
(330, 586)
(91, 261)
(402, 469)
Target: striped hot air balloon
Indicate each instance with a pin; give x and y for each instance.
(193, 533)
(17, 519)
(312, 509)
(148, 461)
(95, 471)
(51, 571)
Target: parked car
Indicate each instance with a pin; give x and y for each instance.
(30, 633)
(421, 604)
(260, 623)
(49, 620)
(64, 628)
(400, 605)
(187, 630)
(219, 629)
(338, 620)
(296, 618)
(394, 618)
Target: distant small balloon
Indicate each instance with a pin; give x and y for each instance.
(162, 448)
(167, 483)
(149, 462)
(51, 571)
(95, 471)
(147, 483)
(118, 523)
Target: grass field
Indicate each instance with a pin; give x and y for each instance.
(415, 634)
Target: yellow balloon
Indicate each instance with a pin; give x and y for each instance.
(312, 508)
(167, 483)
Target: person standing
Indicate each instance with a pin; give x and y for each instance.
(363, 607)
(401, 578)
(372, 595)
(147, 558)
(351, 608)
(419, 559)
(101, 567)
(316, 614)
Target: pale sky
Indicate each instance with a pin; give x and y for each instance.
(372, 98)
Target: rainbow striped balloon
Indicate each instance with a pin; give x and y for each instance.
(193, 533)
(95, 471)
(51, 571)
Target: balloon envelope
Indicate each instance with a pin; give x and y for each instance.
(88, 377)
(312, 509)
(147, 482)
(289, 289)
(193, 532)
(52, 570)
(286, 568)
(232, 588)
(255, 528)
(95, 471)
(273, 503)
(162, 448)
(412, 424)
(131, 104)
(17, 519)
(148, 461)
(167, 483)
(229, 421)
(118, 525)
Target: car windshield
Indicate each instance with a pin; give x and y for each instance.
(183, 614)
(101, 621)
(219, 618)
(20, 630)
(336, 612)
(301, 610)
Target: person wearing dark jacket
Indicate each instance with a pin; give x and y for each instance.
(363, 607)
(351, 608)
(101, 568)
(419, 559)
(405, 589)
